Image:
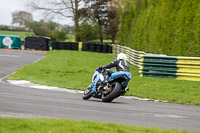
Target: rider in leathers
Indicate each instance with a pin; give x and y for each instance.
(120, 64)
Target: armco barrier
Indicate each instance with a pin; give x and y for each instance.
(133, 56)
(162, 66)
(184, 68)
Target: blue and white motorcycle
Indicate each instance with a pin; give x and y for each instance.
(107, 87)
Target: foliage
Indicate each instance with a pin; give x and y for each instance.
(21, 18)
(60, 9)
(42, 28)
(88, 31)
(57, 35)
(50, 29)
(12, 28)
(112, 24)
(104, 13)
(165, 26)
(69, 29)
(74, 69)
(97, 10)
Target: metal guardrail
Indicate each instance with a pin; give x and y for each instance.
(133, 56)
(162, 66)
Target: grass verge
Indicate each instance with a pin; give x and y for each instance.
(19, 125)
(74, 69)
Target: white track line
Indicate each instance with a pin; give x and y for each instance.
(10, 56)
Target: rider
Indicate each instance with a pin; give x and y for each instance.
(120, 64)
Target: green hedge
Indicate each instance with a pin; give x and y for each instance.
(169, 27)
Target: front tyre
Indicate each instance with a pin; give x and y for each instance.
(116, 90)
(87, 94)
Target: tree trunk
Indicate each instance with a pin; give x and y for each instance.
(76, 20)
(113, 39)
(100, 31)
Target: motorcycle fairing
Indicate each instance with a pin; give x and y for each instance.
(97, 76)
(125, 75)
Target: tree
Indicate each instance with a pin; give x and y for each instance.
(69, 29)
(88, 31)
(112, 25)
(43, 28)
(51, 29)
(21, 18)
(60, 8)
(97, 11)
(104, 12)
(57, 35)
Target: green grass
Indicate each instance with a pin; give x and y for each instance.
(22, 35)
(19, 125)
(74, 69)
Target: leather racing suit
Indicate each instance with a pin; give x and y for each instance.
(120, 65)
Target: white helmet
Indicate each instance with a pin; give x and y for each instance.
(121, 56)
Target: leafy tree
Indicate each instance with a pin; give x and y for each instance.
(57, 35)
(112, 23)
(104, 12)
(60, 9)
(97, 11)
(69, 29)
(50, 29)
(88, 31)
(40, 28)
(21, 18)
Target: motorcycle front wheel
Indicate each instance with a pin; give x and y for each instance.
(116, 90)
(87, 94)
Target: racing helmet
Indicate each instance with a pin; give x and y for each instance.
(121, 56)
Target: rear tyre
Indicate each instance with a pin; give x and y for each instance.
(87, 94)
(116, 90)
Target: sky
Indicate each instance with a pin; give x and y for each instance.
(9, 6)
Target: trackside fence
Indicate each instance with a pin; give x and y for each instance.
(161, 66)
(133, 56)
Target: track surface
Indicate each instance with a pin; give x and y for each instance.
(18, 101)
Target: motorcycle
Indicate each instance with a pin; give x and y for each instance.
(107, 87)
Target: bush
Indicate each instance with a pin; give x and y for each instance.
(163, 26)
(57, 35)
(88, 31)
(12, 28)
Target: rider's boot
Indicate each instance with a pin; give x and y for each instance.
(126, 89)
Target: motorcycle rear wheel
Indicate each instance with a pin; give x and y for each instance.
(116, 90)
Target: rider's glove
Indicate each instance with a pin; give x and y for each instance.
(100, 68)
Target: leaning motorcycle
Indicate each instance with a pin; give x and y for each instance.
(107, 87)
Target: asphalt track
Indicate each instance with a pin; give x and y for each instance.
(27, 102)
